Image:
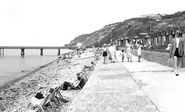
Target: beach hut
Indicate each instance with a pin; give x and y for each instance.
(148, 38)
(167, 36)
(152, 39)
(173, 33)
(136, 39)
(127, 39)
(155, 39)
(124, 42)
(183, 33)
(142, 38)
(183, 36)
(163, 38)
(120, 41)
(159, 38)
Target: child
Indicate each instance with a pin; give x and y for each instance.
(122, 54)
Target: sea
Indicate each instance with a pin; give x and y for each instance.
(13, 65)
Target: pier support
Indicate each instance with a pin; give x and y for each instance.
(22, 52)
(1, 52)
(58, 52)
(41, 52)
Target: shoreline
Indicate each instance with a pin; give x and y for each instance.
(8, 83)
(16, 94)
(4, 86)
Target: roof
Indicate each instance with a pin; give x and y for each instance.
(129, 37)
(121, 37)
(141, 36)
(163, 32)
(168, 31)
(155, 34)
(136, 37)
(148, 36)
(159, 33)
(182, 29)
(175, 29)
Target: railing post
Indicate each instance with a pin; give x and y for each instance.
(58, 52)
(22, 52)
(41, 52)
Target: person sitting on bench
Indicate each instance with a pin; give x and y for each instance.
(36, 100)
(56, 99)
(80, 82)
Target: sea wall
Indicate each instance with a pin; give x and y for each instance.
(158, 57)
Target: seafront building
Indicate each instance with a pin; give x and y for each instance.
(159, 39)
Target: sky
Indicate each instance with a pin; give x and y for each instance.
(57, 22)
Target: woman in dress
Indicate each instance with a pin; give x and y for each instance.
(129, 52)
(112, 50)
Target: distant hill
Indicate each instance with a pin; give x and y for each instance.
(130, 27)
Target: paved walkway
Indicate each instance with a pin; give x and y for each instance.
(111, 89)
(159, 82)
(131, 87)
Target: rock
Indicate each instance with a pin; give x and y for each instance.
(14, 89)
(41, 88)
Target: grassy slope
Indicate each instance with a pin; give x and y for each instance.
(131, 27)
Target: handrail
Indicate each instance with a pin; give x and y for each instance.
(35, 47)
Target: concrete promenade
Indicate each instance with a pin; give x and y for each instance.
(131, 87)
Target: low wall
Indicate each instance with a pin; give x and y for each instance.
(161, 58)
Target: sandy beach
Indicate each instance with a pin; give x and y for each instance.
(16, 95)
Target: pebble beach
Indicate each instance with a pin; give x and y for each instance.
(15, 95)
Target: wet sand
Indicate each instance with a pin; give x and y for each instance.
(15, 95)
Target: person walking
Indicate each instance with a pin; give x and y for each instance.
(177, 51)
(129, 52)
(105, 54)
(139, 46)
(112, 51)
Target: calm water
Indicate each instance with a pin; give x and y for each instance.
(12, 65)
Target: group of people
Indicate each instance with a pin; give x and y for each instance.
(110, 53)
(176, 48)
(128, 51)
(77, 84)
(39, 97)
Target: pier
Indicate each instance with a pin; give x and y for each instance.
(22, 48)
(1, 52)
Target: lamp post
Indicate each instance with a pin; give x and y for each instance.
(150, 26)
